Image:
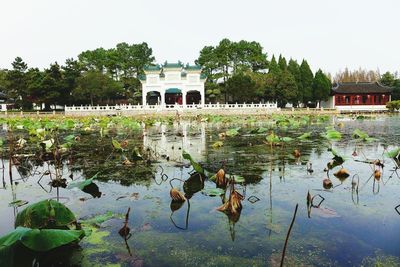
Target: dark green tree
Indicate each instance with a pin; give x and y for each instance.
(286, 89)
(17, 87)
(294, 69)
(273, 66)
(95, 87)
(306, 82)
(321, 87)
(242, 88)
(387, 79)
(282, 63)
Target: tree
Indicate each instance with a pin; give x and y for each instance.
(242, 88)
(286, 89)
(282, 62)
(3, 80)
(306, 82)
(321, 87)
(388, 79)
(94, 87)
(17, 87)
(71, 71)
(294, 69)
(273, 66)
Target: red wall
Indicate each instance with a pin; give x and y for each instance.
(361, 99)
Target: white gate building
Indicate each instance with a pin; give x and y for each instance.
(173, 83)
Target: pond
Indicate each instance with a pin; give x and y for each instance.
(277, 162)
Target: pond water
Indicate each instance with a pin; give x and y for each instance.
(354, 225)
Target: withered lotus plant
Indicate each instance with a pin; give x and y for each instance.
(342, 174)
(221, 180)
(377, 174)
(176, 195)
(234, 203)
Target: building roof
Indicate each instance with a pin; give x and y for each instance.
(172, 65)
(360, 88)
(152, 68)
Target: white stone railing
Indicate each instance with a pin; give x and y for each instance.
(169, 107)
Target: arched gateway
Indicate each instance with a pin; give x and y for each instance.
(173, 83)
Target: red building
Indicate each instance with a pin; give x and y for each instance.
(359, 96)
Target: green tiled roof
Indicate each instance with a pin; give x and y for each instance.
(142, 77)
(153, 68)
(192, 67)
(172, 65)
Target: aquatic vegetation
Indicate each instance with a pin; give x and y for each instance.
(176, 195)
(232, 132)
(196, 166)
(332, 134)
(363, 136)
(40, 227)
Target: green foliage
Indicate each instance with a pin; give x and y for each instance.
(213, 191)
(332, 134)
(306, 81)
(45, 214)
(393, 105)
(196, 166)
(41, 240)
(394, 153)
(232, 132)
(321, 86)
(305, 136)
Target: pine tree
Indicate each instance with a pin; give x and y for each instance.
(282, 63)
(294, 69)
(273, 66)
(321, 87)
(306, 82)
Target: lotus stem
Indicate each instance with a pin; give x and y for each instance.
(288, 234)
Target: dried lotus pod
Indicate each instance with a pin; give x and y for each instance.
(377, 174)
(176, 195)
(342, 174)
(221, 180)
(327, 183)
(296, 153)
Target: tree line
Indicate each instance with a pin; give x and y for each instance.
(241, 72)
(236, 72)
(99, 76)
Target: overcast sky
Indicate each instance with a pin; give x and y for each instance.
(330, 34)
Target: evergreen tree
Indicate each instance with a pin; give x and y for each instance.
(273, 66)
(17, 87)
(282, 63)
(306, 82)
(294, 69)
(286, 89)
(321, 87)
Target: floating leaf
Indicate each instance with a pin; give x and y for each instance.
(116, 145)
(213, 191)
(218, 144)
(332, 134)
(305, 136)
(82, 184)
(99, 219)
(232, 132)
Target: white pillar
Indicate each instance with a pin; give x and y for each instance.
(184, 94)
(144, 96)
(162, 93)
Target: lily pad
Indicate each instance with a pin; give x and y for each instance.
(213, 192)
(45, 214)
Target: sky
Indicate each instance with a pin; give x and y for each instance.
(330, 34)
